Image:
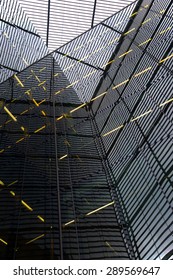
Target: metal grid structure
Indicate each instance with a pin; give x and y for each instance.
(87, 172)
(84, 59)
(20, 44)
(52, 175)
(59, 21)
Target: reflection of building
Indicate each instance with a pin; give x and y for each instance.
(86, 145)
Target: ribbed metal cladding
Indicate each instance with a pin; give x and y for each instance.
(20, 44)
(68, 18)
(136, 118)
(84, 59)
(109, 195)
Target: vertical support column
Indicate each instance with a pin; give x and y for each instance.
(48, 22)
(56, 162)
(94, 10)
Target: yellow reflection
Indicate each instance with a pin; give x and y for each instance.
(133, 14)
(35, 102)
(97, 50)
(43, 113)
(5, 34)
(42, 69)
(12, 193)
(21, 139)
(72, 84)
(116, 39)
(69, 67)
(142, 72)
(10, 114)
(166, 102)
(100, 208)
(143, 43)
(66, 142)
(66, 54)
(165, 30)
(24, 112)
(39, 129)
(84, 57)
(3, 241)
(8, 121)
(25, 61)
(109, 245)
(108, 63)
(13, 100)
(42, 83)
(60, 118)
(1, 183)
(166, 58)
(28, 92)
(129, 31)
(125, 53)
(71, 222)
(22, 128)
(42, 101)
(162, 11)
(144, 114)
(41, 218)
(99, 96)
(77, 108)
(26, 205)
(59, 91)
(1, 151)
(63, 157)
(89, 74)
(14, 182)
(126, 81)
(146, 21)
(56, 74)
(34, 239)
(37, 78)
(19, 81)
(115, 129)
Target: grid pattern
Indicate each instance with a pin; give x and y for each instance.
(52, 175)
(59, 21)
(20, 44)
(87, 168)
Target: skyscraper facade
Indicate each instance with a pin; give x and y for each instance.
(86, 145)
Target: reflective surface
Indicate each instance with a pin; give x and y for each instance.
(86, 145)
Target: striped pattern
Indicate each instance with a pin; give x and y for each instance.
(86, 170)
(68, 19)
(20, 42)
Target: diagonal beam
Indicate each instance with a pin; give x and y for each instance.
(16, 26)
(94, 10)
(137, 7)
(83, 62)
(11, 69)
(102, 23)
(132, 41)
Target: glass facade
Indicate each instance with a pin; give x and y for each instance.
(86, 145)
(20, 43)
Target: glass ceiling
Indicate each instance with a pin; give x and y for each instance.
(59, 21)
